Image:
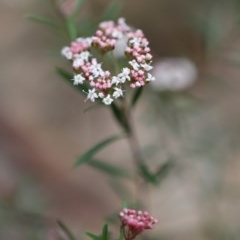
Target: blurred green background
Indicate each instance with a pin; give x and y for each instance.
(43, 126)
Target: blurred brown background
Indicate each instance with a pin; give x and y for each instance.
(43, 127)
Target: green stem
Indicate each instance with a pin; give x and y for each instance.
(138, 160)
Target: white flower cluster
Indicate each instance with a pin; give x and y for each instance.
(174, 74)
(102, 84)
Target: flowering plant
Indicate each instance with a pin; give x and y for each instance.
(88, 70)
(132, 224)
(111, 68)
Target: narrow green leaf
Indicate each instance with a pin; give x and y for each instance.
(93, 236)
(136, 96)
(119, 116)
(104, 235)
(147, 175)
(42, 20)
(105, 232)
(72, 28)
(108, 168)
(113, 10)
(67, 76)
(66, 230)
(94, 150)
(64, 74)
(164, 170)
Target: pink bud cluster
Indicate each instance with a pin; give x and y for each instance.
(102, 84)
(108, 34)
(134, 222)
(80, 45)
(138, 47)
(139, 51)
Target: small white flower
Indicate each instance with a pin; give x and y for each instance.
(136, 42)
(107, 100)
(78, 79)
(84, 56)
(134, 65)
(92, 95)
(146, 66)
(95, 72)
(66, 52)
(78, 62)
(150, 77)
(115, 80)
(124, 75)
(117, 93)
(96, 69)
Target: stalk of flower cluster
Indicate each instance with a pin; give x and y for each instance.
(141, 188)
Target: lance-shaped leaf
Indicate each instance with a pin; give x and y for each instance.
(136, 96)
(65, 229)
(147, 175)
(164, 170)
(105, 234)
(108, 168)
(72, 28)
(67, 76)
(119, 116)
(88, 156)
(64, 74)
(93, 236)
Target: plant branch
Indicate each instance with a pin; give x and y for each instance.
(137, 157)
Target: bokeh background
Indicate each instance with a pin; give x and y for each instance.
(43, 125)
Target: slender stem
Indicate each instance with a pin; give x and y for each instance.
(137, 157)
(133, 141)
(138, 160)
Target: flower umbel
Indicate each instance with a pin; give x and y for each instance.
(134, 222)
(103, 84)
(174, 74)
